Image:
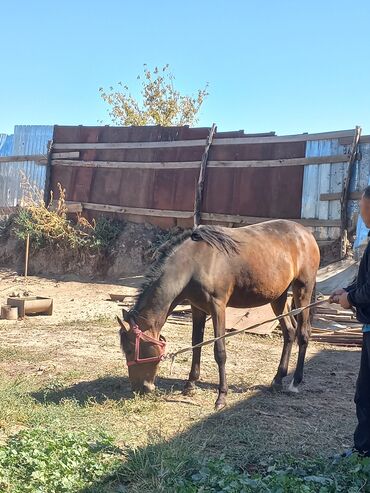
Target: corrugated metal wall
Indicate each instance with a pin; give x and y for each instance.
(363, 178)
(27, 139)
(329, 178)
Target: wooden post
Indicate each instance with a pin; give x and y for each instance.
(47, 186)
(202, 177)
(27, 254)
(345, 192)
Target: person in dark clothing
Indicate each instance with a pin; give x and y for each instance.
(357, 295)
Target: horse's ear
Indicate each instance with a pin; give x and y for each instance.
(123, 327)
(125, 314)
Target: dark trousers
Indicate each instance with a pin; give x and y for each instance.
(362, 400)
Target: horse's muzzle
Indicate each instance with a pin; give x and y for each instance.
(145, 388)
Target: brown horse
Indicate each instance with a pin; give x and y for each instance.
(212, 268)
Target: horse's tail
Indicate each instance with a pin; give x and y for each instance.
(313, 300)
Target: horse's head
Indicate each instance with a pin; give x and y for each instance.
(143, 354)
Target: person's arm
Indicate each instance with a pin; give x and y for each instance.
(361, 295)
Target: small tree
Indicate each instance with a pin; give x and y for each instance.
(160, 102)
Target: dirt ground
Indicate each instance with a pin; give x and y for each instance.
(70, 365)
(74, 300)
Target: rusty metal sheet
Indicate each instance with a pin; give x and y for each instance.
(136, 188)
(264, 192)
(250, 152)
(260, 192)
(185, 184)
(219, 196)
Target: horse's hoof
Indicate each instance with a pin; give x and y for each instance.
(276, 386)
(188, 391)
(219, 405)
(293, 388)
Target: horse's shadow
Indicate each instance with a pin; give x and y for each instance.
(114, 388)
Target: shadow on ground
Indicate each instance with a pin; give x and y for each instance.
(264, 425)
(115, 388)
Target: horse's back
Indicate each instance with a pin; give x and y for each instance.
(271, 256)
(279, 235)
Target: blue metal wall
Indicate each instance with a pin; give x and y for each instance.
(27, 139)
(329, 178)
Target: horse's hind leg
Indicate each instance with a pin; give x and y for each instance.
(199, 321)
(289, 332)
(302, 292)
(218, 317)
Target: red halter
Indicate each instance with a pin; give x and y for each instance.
(141, 335)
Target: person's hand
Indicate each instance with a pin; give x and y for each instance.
(343, 301)
(334, 298)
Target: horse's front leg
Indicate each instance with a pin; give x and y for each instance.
(218, 318)
(199, 321)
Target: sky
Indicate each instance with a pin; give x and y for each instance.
(271, 65)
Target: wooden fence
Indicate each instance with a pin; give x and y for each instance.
(150, 173)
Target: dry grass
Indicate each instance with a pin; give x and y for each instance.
(79, 371)
(70, 375)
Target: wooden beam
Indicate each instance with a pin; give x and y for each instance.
(337, 196)
(299, 161)
(284, 138)
(205, 215)
(124, 165)
(72, 207)
(365, 139)
(255, 220)
(202, 177)
(136, 211)
(47, 184)
(340, 158)
(38, 158)
(65, 155)
(345, 192)
(200, 142)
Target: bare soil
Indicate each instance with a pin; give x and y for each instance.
(78, 348)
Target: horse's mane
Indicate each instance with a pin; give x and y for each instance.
(217, 238)
(212, 235)
(156, 269)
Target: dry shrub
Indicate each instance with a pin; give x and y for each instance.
(48, 224)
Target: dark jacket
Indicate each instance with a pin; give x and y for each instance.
(359, 290)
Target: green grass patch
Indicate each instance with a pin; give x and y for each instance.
(170, 468)
(54, 462)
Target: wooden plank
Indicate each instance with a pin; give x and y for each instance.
(206, 216)
(72, 207)
(255, 220)
(137, 211)
(337, 196)
(38, 158)
(365, 139)
(47, 184)
(340, 158)
(195, 164)
(126, 165)
(201, 179)
(345, 192)
(200, 142)
(66, 155)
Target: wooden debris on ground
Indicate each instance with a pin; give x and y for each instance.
(333, 325)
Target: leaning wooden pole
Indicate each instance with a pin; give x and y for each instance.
(27, 255)
(47, 186)
(345, 193)
(202, 176)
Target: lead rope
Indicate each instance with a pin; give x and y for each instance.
(296, 311)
